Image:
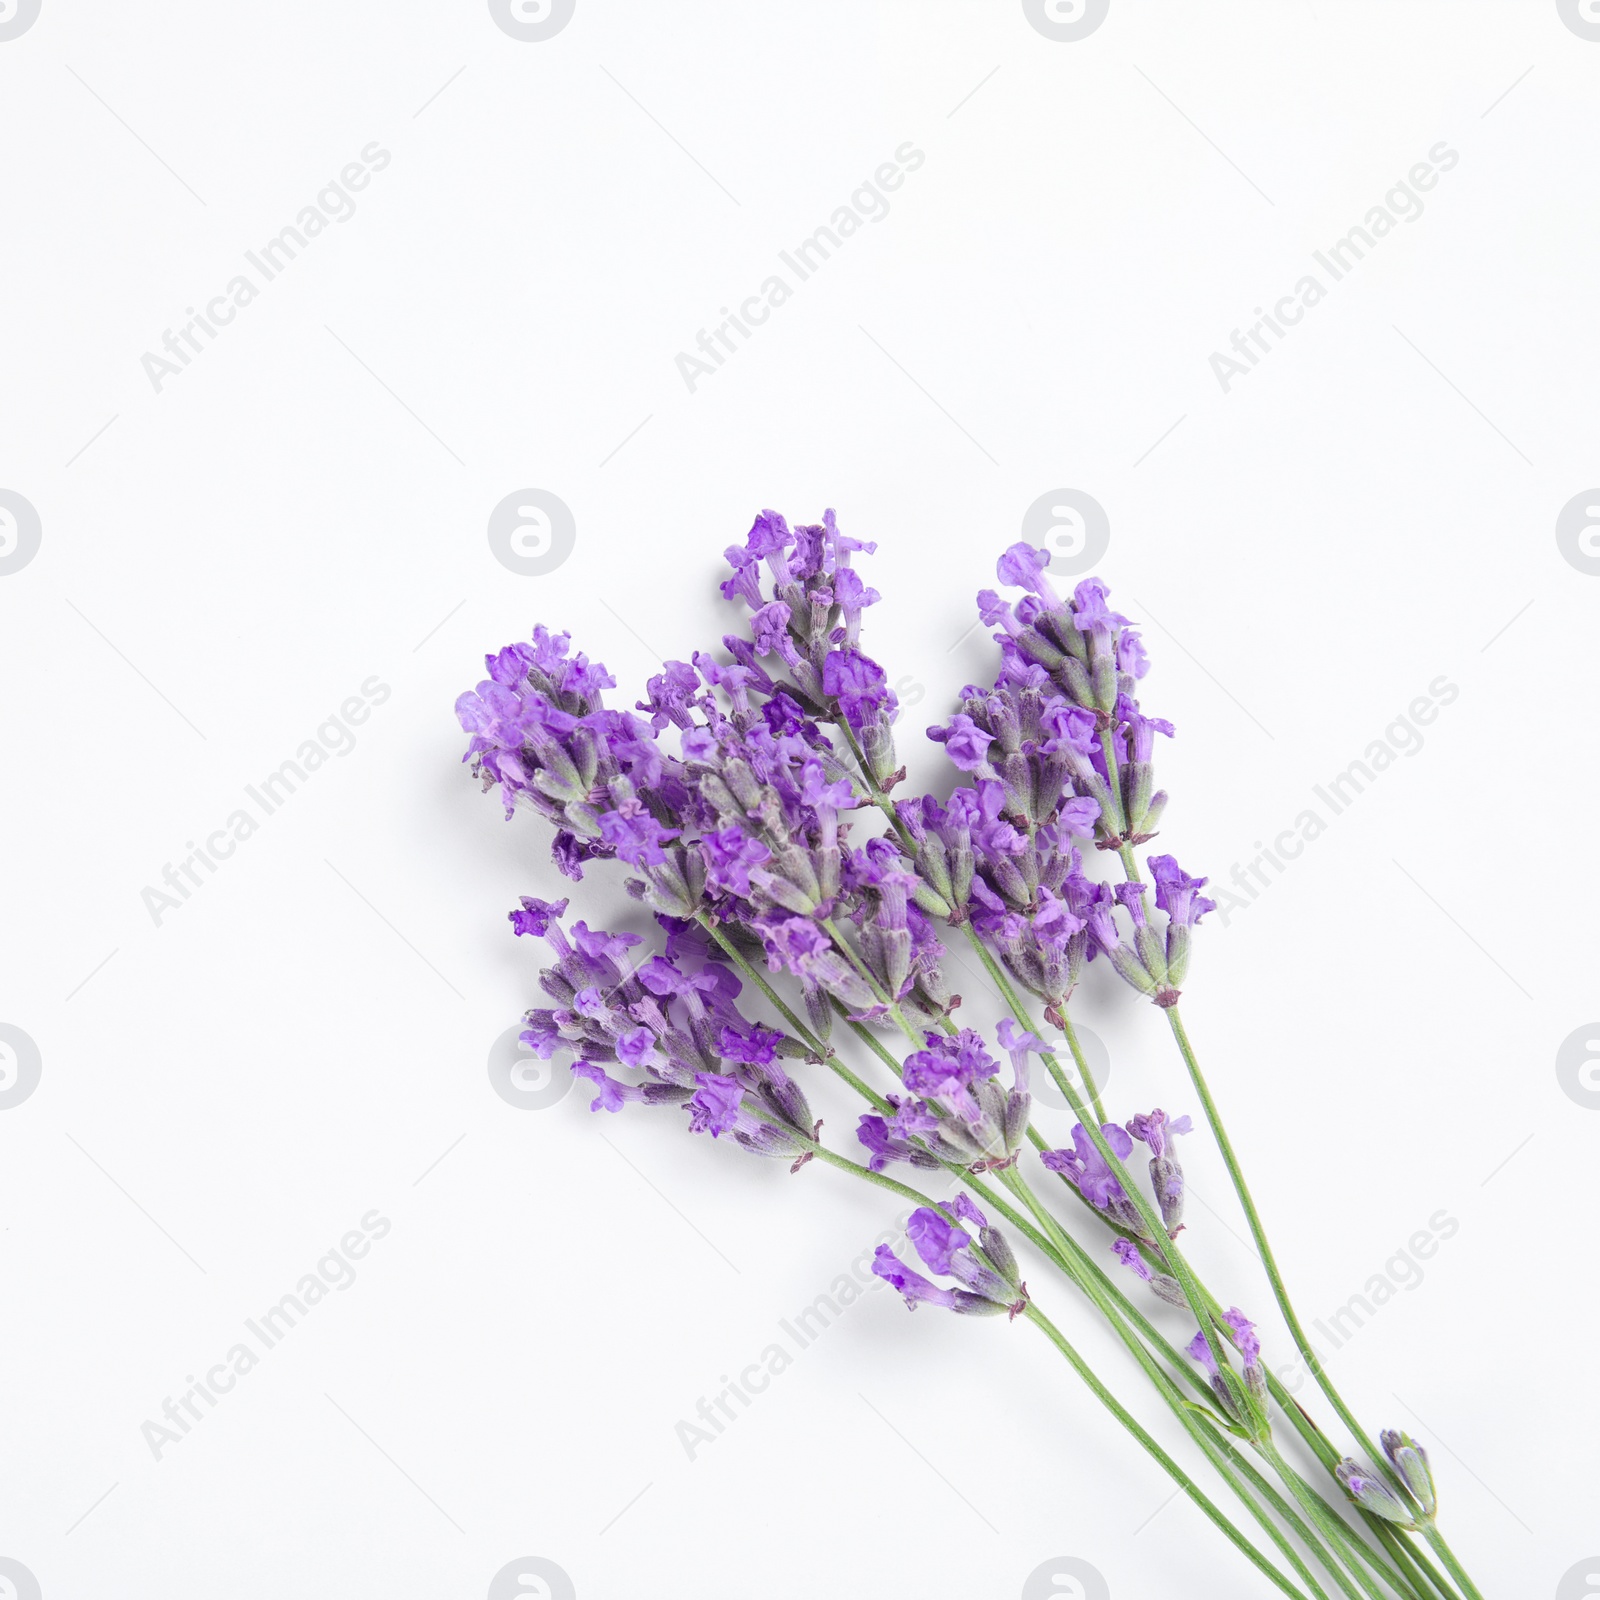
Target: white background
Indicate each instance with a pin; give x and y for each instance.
(225, 1094)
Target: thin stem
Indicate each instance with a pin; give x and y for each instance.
(1447, 1555)
(1210, 1315)
(1084, 1371)
(1268, 1260)
(1317, 1510)
(1174, 1471)
(1193, 1425)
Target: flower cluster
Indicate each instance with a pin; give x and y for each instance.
(988, 1286)
(749, 797)
(672, 1023)
(956, 1111)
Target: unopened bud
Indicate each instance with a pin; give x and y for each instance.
(1372, 1494)
(1410, 1460)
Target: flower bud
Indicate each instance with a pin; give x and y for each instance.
(1410, 1460)
(1372, 1494)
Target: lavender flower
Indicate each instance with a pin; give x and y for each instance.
(1161, 1283)
(1371, 1493)
(1089, 1173)
(946, 1249)
(1157, 1130)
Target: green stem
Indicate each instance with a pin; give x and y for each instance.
(1209, 1312)
(1269, 1261)
(1173, 1470)
(1195, 1426)
(1447, 1555)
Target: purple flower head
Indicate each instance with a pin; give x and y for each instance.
(969, 1213)
(671, 691)
(912, 1285)
(1090, 613)
(934, 1239)
(1199, 1350)
(815, 790)
(753, 1046)
(536, 916)
(1086, 1169)
(1131, 656)
(637, 1048)
(714, 1105)
(613, 1095)
(598, 945)
(1177, 893)
(1069, 727)
(851, 593)
(729, 856)
(793, 942)
(769, 627)
(1127, 1252)
(966, 744)
(510, 666)
(635, 835)
(1157, 1130)
(769, 535)
(857, 682)
(1130, 896)
(1022, 567)
(993, 611)
(549, 652)
(1019, 1044)
(1244, 1331)
(783, 714)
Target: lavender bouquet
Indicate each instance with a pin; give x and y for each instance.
(803, 908)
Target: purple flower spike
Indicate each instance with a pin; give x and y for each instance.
(1158, 1129)
(1245, 1334)
(966, 744)
(1022, 567)
(935, 1239)
(1090, 613)
(536, 916)
(1199, 1350)
(858, 683)
(888, 1266)
(1177, 893)
(1127, 1252)
(714, 1105)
